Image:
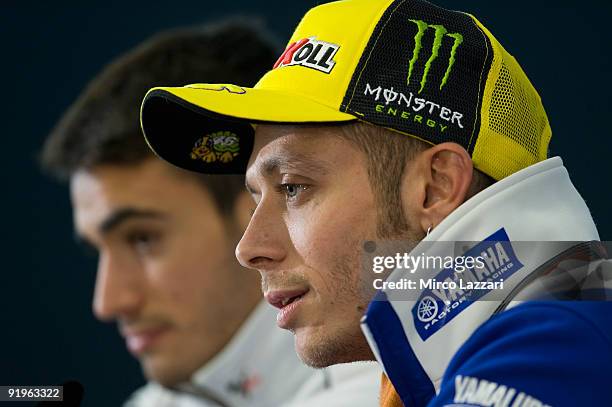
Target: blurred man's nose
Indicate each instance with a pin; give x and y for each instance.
(118, 293)
(264, 242)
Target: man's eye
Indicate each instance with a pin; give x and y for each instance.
(291, 191)
(143, 242)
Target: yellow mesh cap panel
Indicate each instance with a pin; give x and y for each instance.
(514, 131)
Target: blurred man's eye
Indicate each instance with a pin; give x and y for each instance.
(143, 242)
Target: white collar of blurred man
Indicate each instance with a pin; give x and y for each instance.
(165, 256)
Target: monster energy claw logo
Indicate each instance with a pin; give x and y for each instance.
(440, 33)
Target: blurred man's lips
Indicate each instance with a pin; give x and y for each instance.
(288, 302)
(141, 340)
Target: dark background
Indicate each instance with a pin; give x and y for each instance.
(49, 51)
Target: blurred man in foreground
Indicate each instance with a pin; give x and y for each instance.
(166, 270)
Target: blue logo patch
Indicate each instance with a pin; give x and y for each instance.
(438, 306)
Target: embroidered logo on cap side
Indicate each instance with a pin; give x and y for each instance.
(311, 53)
(221, 146)
(218, 87)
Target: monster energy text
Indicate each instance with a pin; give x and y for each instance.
(440, 33)
(411, 105)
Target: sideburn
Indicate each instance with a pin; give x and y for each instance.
(386, 154)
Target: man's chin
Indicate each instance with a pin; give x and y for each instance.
(319, 351)
(162, 370)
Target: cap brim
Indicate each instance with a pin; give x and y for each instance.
(208, 128)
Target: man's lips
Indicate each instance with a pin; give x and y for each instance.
(141, 340)
(288, 301)
(282, 298)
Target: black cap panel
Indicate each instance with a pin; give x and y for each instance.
(423, 73)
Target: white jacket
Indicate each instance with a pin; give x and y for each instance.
(536, 234)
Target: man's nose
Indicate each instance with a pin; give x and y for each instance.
(118, 293)
(264, 242)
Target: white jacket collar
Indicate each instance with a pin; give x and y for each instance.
(538, 203)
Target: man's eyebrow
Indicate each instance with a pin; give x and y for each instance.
(116, 218)
(305, 163)
(290, 162)
(121, 215)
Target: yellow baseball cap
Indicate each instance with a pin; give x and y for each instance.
(407, 65)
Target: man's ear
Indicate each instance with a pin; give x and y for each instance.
(436, 183)
(243, 209)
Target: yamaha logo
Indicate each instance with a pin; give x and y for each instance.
(427, 309)
(451, 291)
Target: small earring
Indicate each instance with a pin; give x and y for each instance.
(429, 229)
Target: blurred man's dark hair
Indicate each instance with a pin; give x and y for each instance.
(103, 127)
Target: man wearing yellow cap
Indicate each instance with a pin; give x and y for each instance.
(403, 121)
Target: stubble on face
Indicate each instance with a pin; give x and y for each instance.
(324, 236)
(346, 342)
